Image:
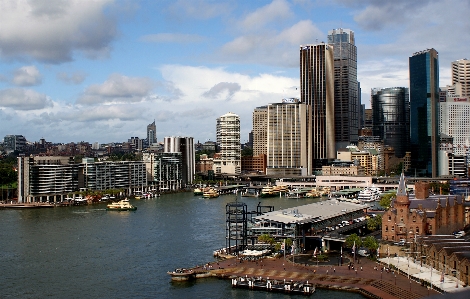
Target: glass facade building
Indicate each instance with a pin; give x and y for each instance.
(424, 111)
(317, 92)
(391, 117)
(346, 94)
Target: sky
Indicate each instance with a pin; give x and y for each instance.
(102, 70)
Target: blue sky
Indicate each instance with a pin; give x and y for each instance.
(101, 70)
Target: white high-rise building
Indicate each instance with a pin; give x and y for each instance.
(286, 138)
(454, 117)
(461, 74)
(228, 160)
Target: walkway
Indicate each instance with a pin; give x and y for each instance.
(407, 267)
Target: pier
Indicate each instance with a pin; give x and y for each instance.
(366, 276)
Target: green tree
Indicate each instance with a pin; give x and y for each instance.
(371, 243)
(353, 239)
(265, 238)
(247, 151)
(374, 223)
(386, 199)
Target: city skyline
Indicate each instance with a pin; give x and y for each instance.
(101, 71)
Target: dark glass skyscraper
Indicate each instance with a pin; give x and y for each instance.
(391, 117)
(424, 111)
(317, 92)
(347, 101)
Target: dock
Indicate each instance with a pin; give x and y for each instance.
(367, 277)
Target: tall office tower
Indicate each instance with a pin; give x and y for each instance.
(424, 111)
(391, 117)
(347, 100)
(287, 148)
(260, 130)
(228, 141)
(151, 133)
(185, 146)
(317, 91)
(454, 117)
(461, 74)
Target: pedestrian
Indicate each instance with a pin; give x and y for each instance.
(361, 268)
(334, 270)
(326, 271)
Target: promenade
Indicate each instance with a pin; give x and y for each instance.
(415, 271)
(367, 277)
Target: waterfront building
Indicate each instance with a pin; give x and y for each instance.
(52, 179)
(422, 214)
(343, 168)
(461, 75)
(151, 133)
(391, 117)
(228, 141)
(127, 175)
(254, 164)
(424, 111)
(13, 143)
(205, 164)
(317, 92)
(346, 89)
(168, 171)
(185, 146)
(260, 130)
(368, 159)
(46, 178)
(287, 147)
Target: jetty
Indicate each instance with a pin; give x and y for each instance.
(366, 277)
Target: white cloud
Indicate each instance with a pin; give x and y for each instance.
(117, 88)
(51, 31)
(27, 76)
(272, 48)
(23, 99)
(272, 12)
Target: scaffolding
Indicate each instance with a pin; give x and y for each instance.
(236, 226)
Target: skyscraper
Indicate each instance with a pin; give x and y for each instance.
(424, 109)
(260, 130)
(317, 91)
(228, 141)
(286, 150)
(347, 100)
(461, 74)
(151, 133)
(391, 117)
(184, 146)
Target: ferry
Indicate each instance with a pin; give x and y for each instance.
(210, 193)
(198, 191)
(122, 205)
(369, 195)
(269, 191)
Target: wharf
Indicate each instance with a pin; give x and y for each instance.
(25, 205)
(367, 278)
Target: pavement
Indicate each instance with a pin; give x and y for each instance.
(365, 275)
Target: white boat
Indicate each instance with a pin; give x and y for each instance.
(369, 194)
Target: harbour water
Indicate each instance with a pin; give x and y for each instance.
(88, 252)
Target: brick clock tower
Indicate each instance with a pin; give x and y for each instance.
(399, 223)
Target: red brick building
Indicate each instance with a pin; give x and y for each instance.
(422, 214)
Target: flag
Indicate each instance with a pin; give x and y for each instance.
(378, 254)
(388, 251)
(315, 252)
(341, 251)
(354, 247)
